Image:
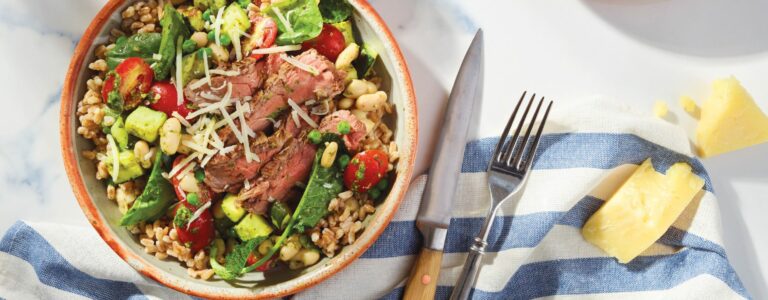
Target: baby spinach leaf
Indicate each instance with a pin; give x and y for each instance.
(303, 17)
(335, 11)
(141, 45)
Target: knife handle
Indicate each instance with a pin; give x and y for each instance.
(424, 275)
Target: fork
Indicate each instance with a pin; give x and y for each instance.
(508, 172)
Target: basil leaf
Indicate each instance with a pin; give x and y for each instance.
(304, 18)
(335, 11)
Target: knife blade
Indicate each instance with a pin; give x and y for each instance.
(440, 192)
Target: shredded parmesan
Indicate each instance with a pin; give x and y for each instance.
(207, 159)
(226, 115)
(207, 133)
(213, 107)
(157, 56)
(277, 49)
(227, 150)
(181, 119)
(196, 126)
(195, 146)
(281, 17)
(179, 77)
(217, 26)
(317, 110)
(186, 170)
(198, 83)
(207, 67)
(297, 109)
(247, 184)
(209, 96)
(235, 35)
(216, 142)
(115, 157)
(150, 154)
(198, 212)
(225, 73)
(295, 116)
(182, 163)
(298, 64)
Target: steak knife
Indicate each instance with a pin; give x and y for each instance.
(440, 193)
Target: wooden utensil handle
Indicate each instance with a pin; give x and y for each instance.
(423, 281)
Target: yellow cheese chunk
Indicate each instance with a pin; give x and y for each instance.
(660, 109)
(730, 120)
(643, 208)
(688, 105)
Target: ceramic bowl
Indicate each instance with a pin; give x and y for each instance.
(103, 213)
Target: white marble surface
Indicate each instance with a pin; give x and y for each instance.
(638, 51)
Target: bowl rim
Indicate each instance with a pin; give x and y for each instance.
(67, 136)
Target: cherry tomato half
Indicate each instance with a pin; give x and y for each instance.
(164, 98)
(109, 86)
(198, 234)
(263, 35)
(135, 79)
(263, 268)
(329, 43)
(365, 170)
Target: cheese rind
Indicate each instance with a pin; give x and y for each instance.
(641, 210)
(730, 120)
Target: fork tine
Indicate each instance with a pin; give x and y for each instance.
(497, 153)
(535, 145)
(513, 142)
(517, 158)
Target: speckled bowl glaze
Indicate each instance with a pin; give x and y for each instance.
(103, 214)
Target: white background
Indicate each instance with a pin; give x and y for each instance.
(635, 51)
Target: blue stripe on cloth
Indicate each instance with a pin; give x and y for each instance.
(605, 275)
(402, 238)
(586, 150)
(53, 270)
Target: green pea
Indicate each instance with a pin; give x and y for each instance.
(315, 137)
(193, 199)
(211, 35)
(199, 175)
(225, 40)
(374, 193)
(188, 46)
(343, 127)
(344, 161)
(383, 184)
(207, 15)
(205, 51)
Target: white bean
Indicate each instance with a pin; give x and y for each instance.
(346, 56)
(371, 102)
(346, 103)
(329, 155)
(182, 148)
(170, 136)
(220, 54)
(356, 88)
(140, 150)
(200, 38)
(188, 183)
(265, 246)
(288, 251)
(309, 257)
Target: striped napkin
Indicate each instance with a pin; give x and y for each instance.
(535, 249)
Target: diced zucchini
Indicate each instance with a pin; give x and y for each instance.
(119, 133)
(129, 166)
(231, 208)
(214, 5)
(280, 215)
(253, 226)
(192, 67)
(195, 17)
(144, 123)
(235, 19)
(346, 30)
(364, 62)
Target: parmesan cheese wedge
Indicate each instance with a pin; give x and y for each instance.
(730, 120)
(643, 208)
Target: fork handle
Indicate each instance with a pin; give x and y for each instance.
(469, 272)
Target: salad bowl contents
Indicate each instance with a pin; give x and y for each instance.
(245, 143)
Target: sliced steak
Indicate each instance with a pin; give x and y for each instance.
(251, 77)
(228, 172)
(357, 130)
(278, 176)
(286, 82)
